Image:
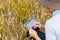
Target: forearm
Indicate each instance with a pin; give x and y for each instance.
(34, 34)
(37, 38)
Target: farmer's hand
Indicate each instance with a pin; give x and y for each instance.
(39, 25)
(33, 34)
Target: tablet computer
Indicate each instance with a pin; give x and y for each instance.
(29, 24)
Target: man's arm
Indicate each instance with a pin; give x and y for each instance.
(33, 34)
(37, 38)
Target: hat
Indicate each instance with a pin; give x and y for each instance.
(54, 4)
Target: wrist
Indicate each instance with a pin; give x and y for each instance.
(41, 26)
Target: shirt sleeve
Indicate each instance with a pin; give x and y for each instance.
(50, 32)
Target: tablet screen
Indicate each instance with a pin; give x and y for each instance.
(30, 23)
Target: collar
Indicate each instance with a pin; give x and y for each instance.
(56, 12)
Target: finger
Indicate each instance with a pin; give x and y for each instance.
(36, 24)
(30, 32)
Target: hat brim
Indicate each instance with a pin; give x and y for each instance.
(50, 4)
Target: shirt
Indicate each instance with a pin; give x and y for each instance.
(52, 27)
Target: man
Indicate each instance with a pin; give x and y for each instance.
(52, 26)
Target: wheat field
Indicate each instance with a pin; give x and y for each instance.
(15, 13)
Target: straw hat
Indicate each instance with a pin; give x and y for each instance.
(54, 4)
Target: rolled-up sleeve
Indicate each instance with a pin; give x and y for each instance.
(50, 32)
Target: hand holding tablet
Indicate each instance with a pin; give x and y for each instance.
(31, 23)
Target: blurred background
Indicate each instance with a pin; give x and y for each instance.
(15, 13)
